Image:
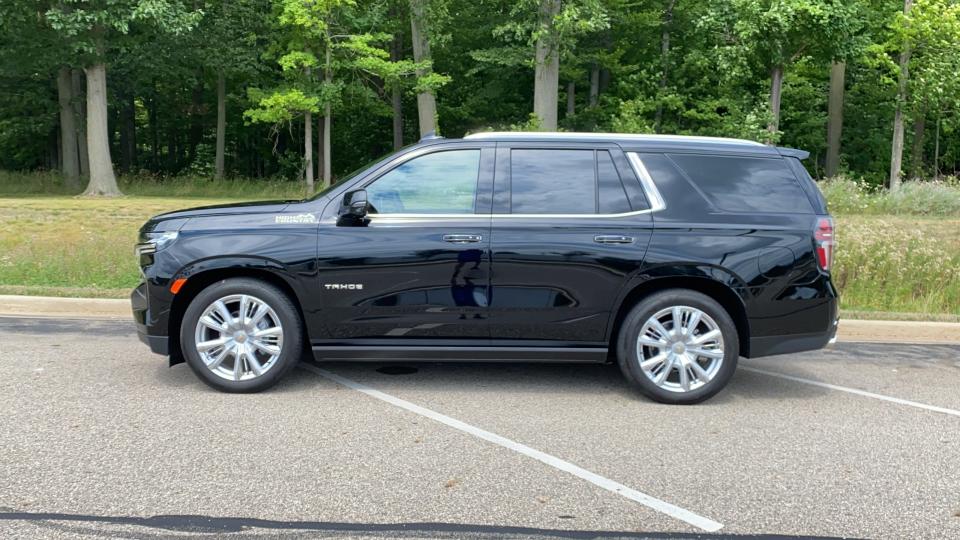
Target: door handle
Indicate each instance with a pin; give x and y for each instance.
(613, 239)
(462, 238)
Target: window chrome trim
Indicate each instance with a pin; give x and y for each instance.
(649, 187)
(488, 216)
(646, 181)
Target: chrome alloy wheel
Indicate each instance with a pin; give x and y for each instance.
(239, 337)
(680, 348)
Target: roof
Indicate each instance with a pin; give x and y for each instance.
(644, 141)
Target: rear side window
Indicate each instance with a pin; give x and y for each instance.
(552, 182)
(564, 181)
(745, 184)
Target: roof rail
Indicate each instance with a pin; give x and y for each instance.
(429, 136)
(570, 135)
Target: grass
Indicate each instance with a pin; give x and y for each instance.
(940, 198)
(890, 264)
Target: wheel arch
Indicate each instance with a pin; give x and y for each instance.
(726, 296)
(199, 278)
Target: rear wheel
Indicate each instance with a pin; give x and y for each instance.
(241, 335)
(678, 346)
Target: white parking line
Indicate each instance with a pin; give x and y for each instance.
(610, 485)
(863, 393)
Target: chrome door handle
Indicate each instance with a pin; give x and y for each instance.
(462, 238)
(613, 239)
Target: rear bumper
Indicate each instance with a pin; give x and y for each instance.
(771, 345)
(146, 328)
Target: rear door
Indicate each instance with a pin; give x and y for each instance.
(570, 225)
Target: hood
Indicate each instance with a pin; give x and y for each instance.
(226, 209)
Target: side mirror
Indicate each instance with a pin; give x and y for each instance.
(356, 203)
(354, 208)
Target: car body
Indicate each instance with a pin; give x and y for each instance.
(518, 247)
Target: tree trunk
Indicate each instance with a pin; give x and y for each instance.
(426, 101)
(571, 98)
(396, 98)
(916, 156)
(594, 85)
(195, 135)
(936, 150)
(327, 121)
(221, 125)
(835, 117)
(128, 134)
(664, 62)
(80, 113)
(776, 86)
(69, 150)
(154, 133)
(320, 159)
(896, 145)
(102, 180)
(547, 75)
(308, 150)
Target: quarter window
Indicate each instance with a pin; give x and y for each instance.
(745, 184)
(437, 183)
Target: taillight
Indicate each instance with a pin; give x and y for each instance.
(823, 236)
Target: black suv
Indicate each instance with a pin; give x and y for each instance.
(669, 255)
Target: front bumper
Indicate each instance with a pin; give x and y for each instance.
(140, 303)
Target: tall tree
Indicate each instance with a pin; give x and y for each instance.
(350, 58)
(927, 36)
(93, 28)
(419, 32)
(774, 34)
(896, 145)
(547, 65)
(69, 148)
(664, 60)
(835, 117)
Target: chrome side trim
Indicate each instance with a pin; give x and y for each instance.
(379, 217)
(649, 187)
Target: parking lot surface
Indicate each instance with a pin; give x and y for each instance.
(100, 438)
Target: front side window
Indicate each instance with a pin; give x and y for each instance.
(437, 183)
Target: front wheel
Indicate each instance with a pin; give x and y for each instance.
(241, 335)
(678, 346)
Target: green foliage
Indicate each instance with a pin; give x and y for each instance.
(280, 106)
(166, 56)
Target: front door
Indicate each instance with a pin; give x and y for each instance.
(420, 267)
(570, 227)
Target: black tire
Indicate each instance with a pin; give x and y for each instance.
(627, 355)
(290, 350)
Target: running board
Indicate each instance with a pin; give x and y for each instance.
(367, 353)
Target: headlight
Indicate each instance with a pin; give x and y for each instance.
(155, 241)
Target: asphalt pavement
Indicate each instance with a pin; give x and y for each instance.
(99, 438)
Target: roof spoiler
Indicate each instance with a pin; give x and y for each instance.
(793, 152)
